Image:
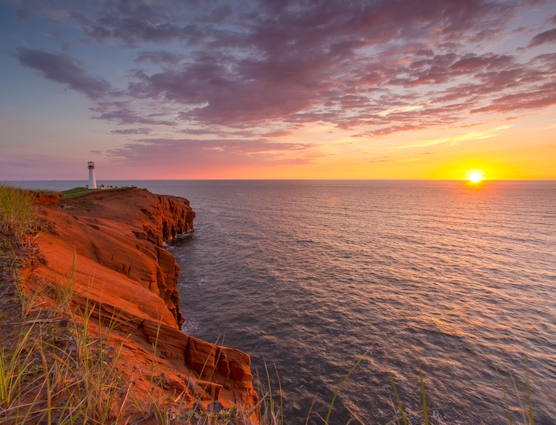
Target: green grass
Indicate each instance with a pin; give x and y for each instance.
(18, 215)
(77, 192)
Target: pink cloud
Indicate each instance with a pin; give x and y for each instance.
(542, 97)
(212, 152)
(130, 131)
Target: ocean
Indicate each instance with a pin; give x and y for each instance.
(308, 275)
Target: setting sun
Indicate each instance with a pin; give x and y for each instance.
(475, 176)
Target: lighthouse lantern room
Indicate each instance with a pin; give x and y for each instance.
(92, 179)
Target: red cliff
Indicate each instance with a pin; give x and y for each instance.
(106, 247)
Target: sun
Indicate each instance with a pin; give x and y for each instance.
(475, 176)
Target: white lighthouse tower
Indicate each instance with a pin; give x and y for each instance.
(92, 179)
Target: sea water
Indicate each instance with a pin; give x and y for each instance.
(309, 275)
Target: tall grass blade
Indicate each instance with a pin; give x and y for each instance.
(398, 400)
(256, 406)
(331, 406)
(215, 362)
(153, 361)
(521, 408)
(311, 409)
(505, 397)
(281, 396)
(48, 385)
(354, 415)
(270, 398)
(423, 392)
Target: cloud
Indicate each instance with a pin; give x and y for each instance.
(259, 62)
(541, 97)
(277, 133)
(224, 132)
(212, 152)
(543, 38)
(385, 131)
(121, 113)
(159, 56)
(55, 35)
(64, 70)
(372, 67)
(132, 131)
(400, 109)
(220, 132)
(225, 98)
(274, 25)
(472, 135)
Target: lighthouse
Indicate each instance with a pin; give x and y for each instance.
(92, 179)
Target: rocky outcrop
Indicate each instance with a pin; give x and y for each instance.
(106, 248)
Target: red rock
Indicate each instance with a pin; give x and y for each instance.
(45, 199)
(107, 247)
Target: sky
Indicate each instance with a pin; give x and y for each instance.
(191, 89)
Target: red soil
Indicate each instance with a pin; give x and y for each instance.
(108, 245)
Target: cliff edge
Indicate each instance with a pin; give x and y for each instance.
(105, 249)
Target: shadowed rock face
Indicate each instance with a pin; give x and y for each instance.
(108, 246)
(123, 231)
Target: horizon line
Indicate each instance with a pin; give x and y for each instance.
(290, 179)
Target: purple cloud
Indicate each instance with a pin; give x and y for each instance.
(157, 21)
(159, 56)
(542, 97)
(121, 113)
(375, 67)
(543, 38)
(219, 132)
(305, 65)
(64, 70)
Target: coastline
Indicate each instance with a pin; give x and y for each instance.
(104, 251)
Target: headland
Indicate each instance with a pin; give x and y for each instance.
(102, 256)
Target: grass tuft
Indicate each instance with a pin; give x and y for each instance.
(78, 192)
(18, 216)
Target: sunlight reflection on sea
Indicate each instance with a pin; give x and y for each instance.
(308, 275)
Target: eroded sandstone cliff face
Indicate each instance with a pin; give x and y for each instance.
(107, 248)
